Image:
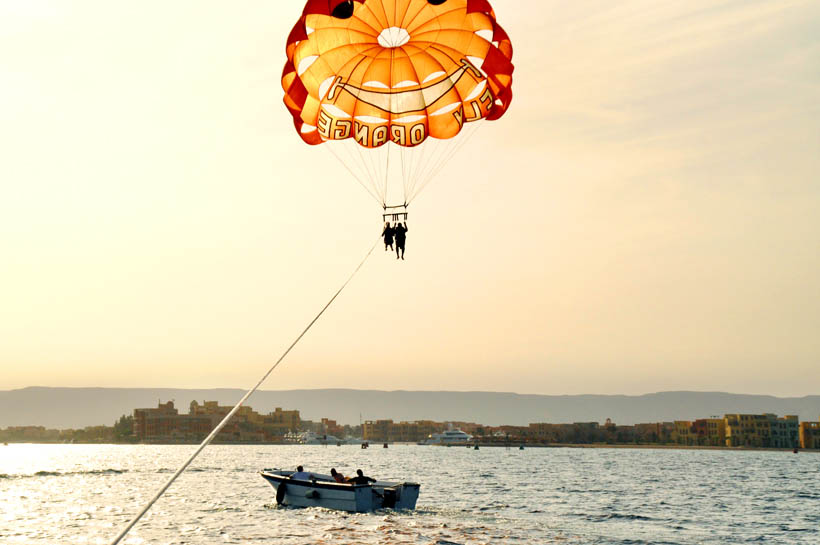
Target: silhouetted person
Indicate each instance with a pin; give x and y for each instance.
(388, 236)
(360, 478)
(338, 477)
(400, 233)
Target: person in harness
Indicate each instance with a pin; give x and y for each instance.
(400, 232)
(388, 236)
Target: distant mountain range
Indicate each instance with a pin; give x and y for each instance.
(80, 407)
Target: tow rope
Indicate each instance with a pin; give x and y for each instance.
(225, 420)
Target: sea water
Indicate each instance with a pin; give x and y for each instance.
(63, 494)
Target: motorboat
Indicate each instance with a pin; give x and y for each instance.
(448, 437)
(324, 491)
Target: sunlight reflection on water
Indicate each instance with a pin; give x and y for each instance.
(83, 493)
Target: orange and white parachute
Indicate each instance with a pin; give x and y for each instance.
(378, 73)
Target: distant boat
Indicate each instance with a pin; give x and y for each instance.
(323, 491)
(385, 445)
(311, 438)
(475, 447)
(521, 447)
(449, 437)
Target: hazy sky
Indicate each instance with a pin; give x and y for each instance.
(645, 217)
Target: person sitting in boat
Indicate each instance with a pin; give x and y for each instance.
(301, 474)
(360, 478)
(338, 477)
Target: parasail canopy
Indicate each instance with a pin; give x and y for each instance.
(381, 73)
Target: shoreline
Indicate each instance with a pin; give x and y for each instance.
(626, 446)
(469, 446)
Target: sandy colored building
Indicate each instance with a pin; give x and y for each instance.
(810, 435)
(543, 432)
(654, 432)
(761, 430)
(331, 427)
(785, 432)
(282, 420)
(164, 423)
(683, 434)
(710, 432)
(407, 432)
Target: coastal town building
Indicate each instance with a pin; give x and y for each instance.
(411, 432)
(543, 432)
(654, 432)
(761, 430)
(785, 432)
(709, 432)
(41, 434)
(683, 433)
(331, 427)
(284, 421)
(30, 433)
(376, 430)
(703, 432)
(164, 423)
(810, 435)
(421, 430)
(592, 432)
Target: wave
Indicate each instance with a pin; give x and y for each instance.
(224, 510)
(654, 541)
(109, 471)
(190, 470)
(614, 516)
(808, 496)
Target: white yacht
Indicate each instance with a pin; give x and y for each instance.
(449, 437)
(311, 438)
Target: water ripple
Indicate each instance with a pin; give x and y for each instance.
(83, 493)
